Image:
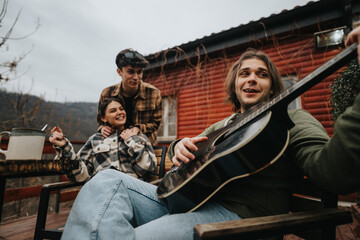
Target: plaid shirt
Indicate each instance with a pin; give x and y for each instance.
(134, 156)
(147, 107)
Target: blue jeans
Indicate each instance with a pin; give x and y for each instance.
(113, 205)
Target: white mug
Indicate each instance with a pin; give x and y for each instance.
(24, 144)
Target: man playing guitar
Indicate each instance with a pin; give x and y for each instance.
(124, 207)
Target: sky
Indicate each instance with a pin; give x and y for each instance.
(72, 53)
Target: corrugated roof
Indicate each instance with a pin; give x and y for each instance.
(302, 16)
(251, 21)
(212, 34)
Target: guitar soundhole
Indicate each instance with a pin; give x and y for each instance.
(221, 139)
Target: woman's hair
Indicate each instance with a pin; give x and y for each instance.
(102, 108)
(229, 84)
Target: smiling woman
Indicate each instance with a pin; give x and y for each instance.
(112, 114)
(124, 150)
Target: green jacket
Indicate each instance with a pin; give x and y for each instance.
(333, 164)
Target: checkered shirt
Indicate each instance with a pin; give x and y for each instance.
(147, 108)
(134, 156)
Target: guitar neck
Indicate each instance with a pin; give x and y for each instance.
(316, 76)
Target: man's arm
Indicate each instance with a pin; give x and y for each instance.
(156, 117)
(334, 164)
(179, 149)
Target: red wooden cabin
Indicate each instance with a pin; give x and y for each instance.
(192, 74)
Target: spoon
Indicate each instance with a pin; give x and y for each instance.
(43, 129)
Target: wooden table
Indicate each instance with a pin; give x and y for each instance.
(29, 168)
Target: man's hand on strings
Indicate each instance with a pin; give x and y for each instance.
(182, 150)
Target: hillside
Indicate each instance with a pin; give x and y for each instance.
(77, 119)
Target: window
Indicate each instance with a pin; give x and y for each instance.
(167, 129)
(289, 81)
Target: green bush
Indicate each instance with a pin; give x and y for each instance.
(345, 88)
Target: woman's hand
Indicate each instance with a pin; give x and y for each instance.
(106, 131)
(182, 150)
(128, 133)
(57, 137)
(136, 129)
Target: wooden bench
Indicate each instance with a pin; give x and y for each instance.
(40, 229)
(314, 215)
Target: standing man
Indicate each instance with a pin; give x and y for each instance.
(142, 100)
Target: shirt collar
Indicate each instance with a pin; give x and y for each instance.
(141, 93)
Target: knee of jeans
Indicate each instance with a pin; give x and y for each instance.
(109, 174)
(110, 177)
(104, 177)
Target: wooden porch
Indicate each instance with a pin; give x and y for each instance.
(23, 228)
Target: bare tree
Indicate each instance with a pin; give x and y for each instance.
(8, 67)
(19, 103)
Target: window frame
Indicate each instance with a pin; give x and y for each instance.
(165, 119)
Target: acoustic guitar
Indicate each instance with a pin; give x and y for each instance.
(232, 152)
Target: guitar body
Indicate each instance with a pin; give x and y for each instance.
(247, 145)
(222, 159)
